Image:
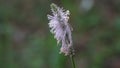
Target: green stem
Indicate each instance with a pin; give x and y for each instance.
(72, 61)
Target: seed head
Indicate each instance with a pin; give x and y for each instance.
(59, 26)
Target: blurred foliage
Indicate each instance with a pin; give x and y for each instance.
(25, 40)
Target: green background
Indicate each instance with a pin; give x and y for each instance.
(26, 42)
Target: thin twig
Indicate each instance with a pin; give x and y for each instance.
(72, 61)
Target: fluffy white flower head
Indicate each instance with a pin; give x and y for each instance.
(59, 26)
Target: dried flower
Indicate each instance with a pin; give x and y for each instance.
(61, 29)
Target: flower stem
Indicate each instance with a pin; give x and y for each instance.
(72, 61)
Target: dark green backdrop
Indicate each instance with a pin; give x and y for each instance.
(25, 40)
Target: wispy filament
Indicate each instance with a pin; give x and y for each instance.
(59, 26)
